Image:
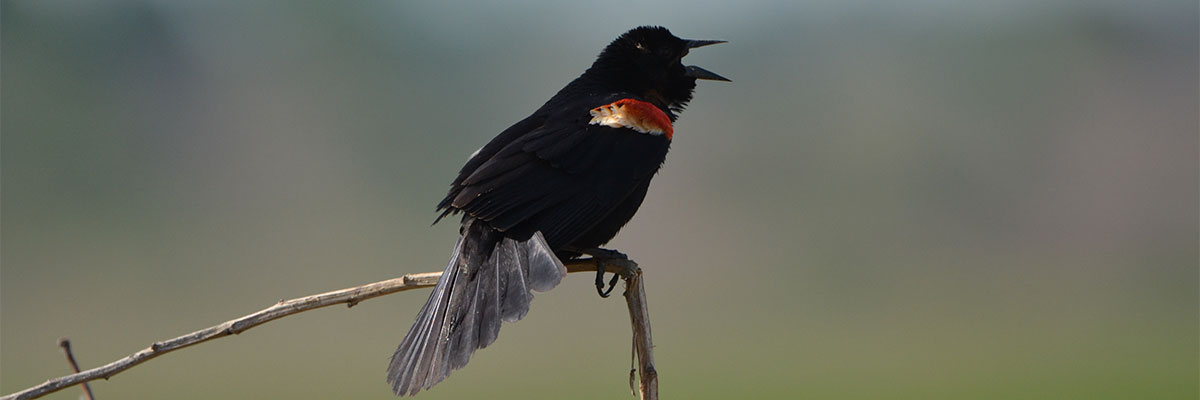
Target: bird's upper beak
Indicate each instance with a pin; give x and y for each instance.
(691, 44)
(701, 73)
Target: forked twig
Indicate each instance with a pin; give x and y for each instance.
(66, 347)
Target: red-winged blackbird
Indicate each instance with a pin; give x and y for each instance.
(559, 182)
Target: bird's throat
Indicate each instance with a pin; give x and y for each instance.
(633, 114)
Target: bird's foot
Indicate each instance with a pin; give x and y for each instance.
(604, 258)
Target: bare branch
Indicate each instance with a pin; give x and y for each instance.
(634, 294)
(350, 296)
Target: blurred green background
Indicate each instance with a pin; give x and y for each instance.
(923, 199)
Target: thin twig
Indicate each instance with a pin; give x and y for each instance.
(639, 318)
(634, 294)
(66, 346)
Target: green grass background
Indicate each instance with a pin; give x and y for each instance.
(927, 199)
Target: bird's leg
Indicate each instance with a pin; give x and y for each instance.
(599, 253)
(604, 257)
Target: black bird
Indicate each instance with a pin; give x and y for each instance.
(555, 185)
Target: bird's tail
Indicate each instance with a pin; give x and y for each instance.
(489, 279)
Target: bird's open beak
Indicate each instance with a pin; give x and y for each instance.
(701, 73)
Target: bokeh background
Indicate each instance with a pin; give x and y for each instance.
(922, 199)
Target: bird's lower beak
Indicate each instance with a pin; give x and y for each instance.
(701, 73)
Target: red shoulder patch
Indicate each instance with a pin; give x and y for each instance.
(633, 114)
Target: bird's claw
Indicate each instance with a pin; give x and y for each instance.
(612, 283)
(602, 256)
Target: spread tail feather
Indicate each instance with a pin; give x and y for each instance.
(489, 279)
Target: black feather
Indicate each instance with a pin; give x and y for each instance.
(489, 279)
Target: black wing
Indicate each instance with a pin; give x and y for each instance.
(561, 176)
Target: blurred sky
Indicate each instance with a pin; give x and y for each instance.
(921, 199)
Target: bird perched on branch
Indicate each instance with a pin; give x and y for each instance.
(554, 186)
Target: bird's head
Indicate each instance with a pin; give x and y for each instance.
(647, 61)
